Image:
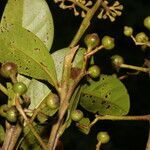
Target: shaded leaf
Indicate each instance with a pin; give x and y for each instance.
(37, 92)
(33, 15)
(28, 52)
(108, 96)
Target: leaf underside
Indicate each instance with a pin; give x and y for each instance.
(34, 16)
(59, 56)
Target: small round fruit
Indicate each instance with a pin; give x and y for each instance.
(19, 88)
(108, 42)
(103, 137)
(77, 115)
(91, 40)
(117, 60)
(12, 115)
(94, 71)
(8, 69)
(147, 22)
(141, 37)
(53, 101)
(128, 31)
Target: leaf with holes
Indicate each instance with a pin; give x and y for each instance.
(108, 96)
(28, 52)
(34, 16)
(59, 56)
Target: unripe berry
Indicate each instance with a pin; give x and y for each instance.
(128, 31)
(19, 88)
(103, 137)
(94, 71)
(108, 42)
(147, 22)
(53, 101)
(91, 41)
(12, 115)
(8, 69)
(117, 60)
(77, 115)
(141, 37)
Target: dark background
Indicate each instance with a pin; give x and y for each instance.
(125, 135)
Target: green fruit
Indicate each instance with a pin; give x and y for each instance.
(141, 37)
(147, 22)
(128, 31)
(53, 101)
(76, 115)
(108, 42)
(12, 115)
(94, 71)
(8, 69)
(117, 60)
(19, 88)
(103, 137)
(91, 41)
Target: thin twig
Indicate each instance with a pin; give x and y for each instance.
(19, 108)
(146, 70)
(85, 23)
(8, 136)
(98, 145)
(136, 118)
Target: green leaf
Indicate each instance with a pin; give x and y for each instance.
(38, 19)
(108, 96)
(13, 13)
(37, 92)
(28, 52)
(2, 134)
(34, 16)
(59, 56)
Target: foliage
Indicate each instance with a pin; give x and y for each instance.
(58, 83)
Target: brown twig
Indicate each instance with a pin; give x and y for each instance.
(19, 108)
